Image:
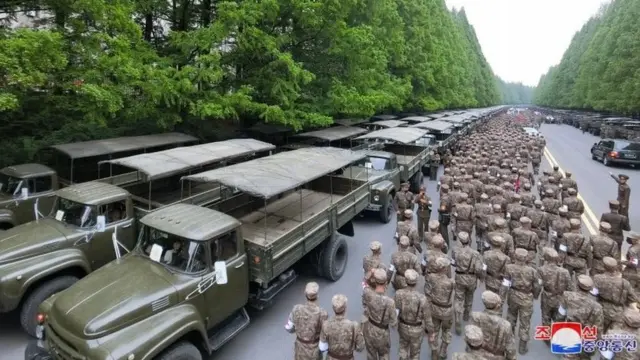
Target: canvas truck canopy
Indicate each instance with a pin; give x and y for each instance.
(416, 119)
(389, 123)
(350, 122)
(383, 117)
(403, 135)
(437, 115)
(275, 174)
(333, 133)
(169, 162)
(436, 125)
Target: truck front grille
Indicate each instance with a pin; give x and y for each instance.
(59, 348)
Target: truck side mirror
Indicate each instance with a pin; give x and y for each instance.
(220, 268)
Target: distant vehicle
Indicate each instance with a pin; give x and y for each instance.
(616, 151)
(532, 131)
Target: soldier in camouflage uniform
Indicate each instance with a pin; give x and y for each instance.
(524, 237)
(305, 321)
(568, 183)
(494, 264)
(439, 289)
(478, 187)
(555, 281)
(536, 159)
(551, 205)
(424, 211)
(501, 229)
(445, 179)
(380, 314)
(632, 269)
(444, 213)
(618, 222)
(500, 199)
(602, 246)
(497, 213)
(414, 317)
(468, 188)
(613, 293)
(574, 205)
(428, 262)
(515, 211)
(403, 200)
(406, 228)
(628, 328)
(575, 250)
(456, 195)
(498, 337)
(401, 261)
(527, 197)
(340, 337)
(434, 164)
(463, 216)
(373, 261)
(434, 231)
(559, 226)
(539, 222)
(474, 338)
(483, 211)
(468, 267)
(521, 285)
(556, 175)
(580, 306)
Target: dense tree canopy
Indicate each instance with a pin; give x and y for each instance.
(515, 93)
(95, 68)
(600, 69)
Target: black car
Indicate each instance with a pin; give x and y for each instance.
(616, 151)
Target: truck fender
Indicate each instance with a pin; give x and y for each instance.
(7, 217)
(156, 333)
(17, 277)
(384, 186)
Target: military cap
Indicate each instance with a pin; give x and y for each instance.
(476, 174)
(404, 184)
(411, 276)
(311, 290)
(490, 299)
(605, 226)
(339, 303)
(521, 254)
(514, 169)
(623, 177)
(404, 241)
(631, 317)
(463, 236)
(610, 263)
(537, 203)
(525, 220)
(434, 224)
(447, 170)
(484, 196)
(464, 196)
(555, 167)
(549, 192)
(375, 246)
(484, 167)
(614, 204)
(437, 241)
(527, 185)
(456, 184)
(567, 174)
(496, 240)
(500, 222)
(572, 191)
(473, 336)
(408, 214)
(492, 178)
(546, 173)
(516, 197)
(497, 207)
(574, 223)
(563, 209)
(442, 262)
(380, 276)
(550, 253)
(444, 187)
(585, 282)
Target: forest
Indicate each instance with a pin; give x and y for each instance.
(515, 93)
(600, 69)
(85, 69)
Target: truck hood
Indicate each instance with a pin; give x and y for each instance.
(364, 174)
(5, 199)
(121, 293)
(31, 239)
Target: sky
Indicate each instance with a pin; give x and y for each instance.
(521, 39)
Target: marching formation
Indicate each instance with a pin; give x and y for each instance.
(516, 231)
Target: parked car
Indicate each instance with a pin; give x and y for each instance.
(532, 131)
(616, 151)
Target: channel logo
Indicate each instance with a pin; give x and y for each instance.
(566, 338)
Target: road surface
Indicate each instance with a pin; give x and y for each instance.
(266, 339)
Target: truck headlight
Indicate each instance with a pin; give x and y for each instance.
(376, 198)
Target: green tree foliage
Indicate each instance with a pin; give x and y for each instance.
(87, 69)
(515, 93)
(600, 69)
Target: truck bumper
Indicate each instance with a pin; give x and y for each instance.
(373, 207)
(36, 351)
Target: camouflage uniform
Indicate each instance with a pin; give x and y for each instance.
(424, 211)
(380, 314)
(498, 337)
(536, 159)
(495, 263)
(340, 337)
(474, 338)
(629, 327)
(573, 204)
(464, 216)
(428, 263)
(522, 284)
(618, 222)
(614, 293)
(468, 268)
(632, 269)
(539, 222)
(305, 320)
(496, 214)
(555, 281)
(515, 211)
(602, 246)
(501, 229)
(575, 250)
(568, 183)
(445, 179)
(403, 200)
(469, 189)
(414, 317)
(434, 226)
(406, 228)
(524, 237)
(478, 187)
(439, 289)
(482, 212)
(527, 197)
(444, 213)
(559, 226)
(401, 261)
(373, 261)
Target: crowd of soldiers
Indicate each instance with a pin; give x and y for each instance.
(522, 245)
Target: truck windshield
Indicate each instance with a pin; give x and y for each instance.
(375, 163)
(10, 185)
(173, 251)
(425, 141)
(75, 213)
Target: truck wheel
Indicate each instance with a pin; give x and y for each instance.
(386, 212)
(334, 258)
(5, 226)
(30, 306)
(181, 351)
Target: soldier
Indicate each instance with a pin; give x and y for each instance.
(575, 250)
(632, 269)
(424, 211)
(456, 195)
(613, 292)
(602, 246)
(464, 216)
(552, 184)
(624, 192)
(445, 179)
(526, 196)
(406, 228)
(555, 281)
(618, 222)
(525, 238)
(439, 289)
(380, 314)
(522, 284)
(495, 215)
(482, 211)
(500, 228)
(414, 317)
(434, 231)
(628, 328)
(474, 338)
(429, 259)
(494, 264)
(305, 320)
(340, 337)
(539, 222)
(371, 262)
(551, 204)
(515, 211)
(434, 164)
(468, 188)
(447, 158)
(580, 306)
(403, 200)
(558, 227)
(556, 174)
(498, 337)
(468, 267)
(402, 260)
(478, 187)
(536, 159)
(568, 183)
(444, 214)
(499, 199)
(574, 205)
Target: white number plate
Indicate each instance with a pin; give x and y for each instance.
(631, 156)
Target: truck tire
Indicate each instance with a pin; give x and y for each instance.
(182, 350)
(5, 226)
(334, 258)
(41, 293)
(386, 212)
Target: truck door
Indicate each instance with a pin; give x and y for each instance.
(223, 300)
(101, 249)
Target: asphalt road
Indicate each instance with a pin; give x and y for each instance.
(266, 339)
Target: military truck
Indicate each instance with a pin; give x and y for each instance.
(22, 185)
(182, 293)
(411, 158)
(443, 131)
(47, 255)
(350, 122)
(383, 124)
(383, 117)
(337, 136)
(620, 128)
